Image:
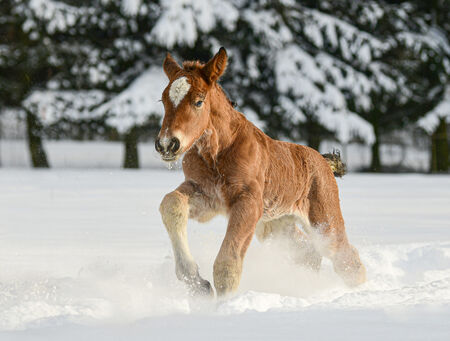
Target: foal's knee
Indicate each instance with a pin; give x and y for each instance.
(174, 209)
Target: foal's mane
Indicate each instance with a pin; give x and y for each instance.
(192, 65)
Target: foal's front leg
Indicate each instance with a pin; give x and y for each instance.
(244, 214)
(175, 212)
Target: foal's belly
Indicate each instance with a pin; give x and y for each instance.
(277, 206)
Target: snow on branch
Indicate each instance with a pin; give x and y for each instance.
(131, 7)
(442, 110)
(51, 106)
(305, 86)
(353, 43)
(181, 21)
(57, 15)
(134, 105)
(269, 26)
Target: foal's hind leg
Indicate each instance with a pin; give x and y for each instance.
(284, 230)
(331, 241)
(175, 209)
(327, 230)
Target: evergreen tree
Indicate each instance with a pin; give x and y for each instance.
(302, 70)
(289, 77)
(435, 124)
(24, 63)
(376, 68)
(97, 46)
(412, 63)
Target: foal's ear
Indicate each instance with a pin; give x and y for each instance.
(216, 66)
(170, 66)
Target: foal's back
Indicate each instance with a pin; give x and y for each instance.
(293, 173)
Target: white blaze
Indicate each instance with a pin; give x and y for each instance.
(178, 90)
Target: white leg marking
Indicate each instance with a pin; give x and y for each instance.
(174, 210)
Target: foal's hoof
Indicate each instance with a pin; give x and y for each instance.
(355, 278)
(202, 288)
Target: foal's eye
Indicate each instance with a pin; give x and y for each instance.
(198, 104)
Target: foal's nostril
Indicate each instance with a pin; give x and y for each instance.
(174, 145)
(158, 146)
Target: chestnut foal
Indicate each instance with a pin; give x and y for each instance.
(231, 167)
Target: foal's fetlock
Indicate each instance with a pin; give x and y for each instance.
(201, 287)
(348, 265)
(197, 286)
(227, 276)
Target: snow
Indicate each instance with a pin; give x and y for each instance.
(84, 255)
(57, 15)
(131, 7)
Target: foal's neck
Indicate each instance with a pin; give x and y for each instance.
(225, 123)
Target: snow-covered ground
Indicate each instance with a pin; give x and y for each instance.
(84, 256)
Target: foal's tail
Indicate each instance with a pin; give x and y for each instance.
(337, 166)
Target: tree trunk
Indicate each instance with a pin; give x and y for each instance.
(314, 142)
(375, 164)
(314, 137)
(37, 152)
(439, 148)
(0, 142)
(131, 159)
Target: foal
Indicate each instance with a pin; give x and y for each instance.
(262, 185)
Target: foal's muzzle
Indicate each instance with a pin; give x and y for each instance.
(167, 148)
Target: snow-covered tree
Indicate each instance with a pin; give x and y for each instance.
(65, 110)
(350, 68)
(284, 54)
(133, 107)
(440, 112)
(96, 46)
(435, 124)
(24, 63)
(411, 67)
(303, 70)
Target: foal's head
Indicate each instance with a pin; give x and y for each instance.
(187, 103)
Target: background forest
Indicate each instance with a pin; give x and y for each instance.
(347, 74)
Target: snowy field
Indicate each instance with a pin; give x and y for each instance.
(102, 154)
(84, 256)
